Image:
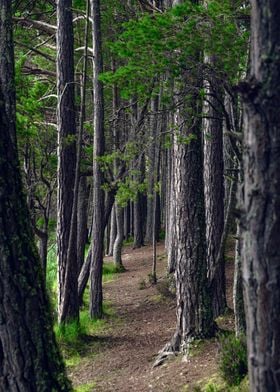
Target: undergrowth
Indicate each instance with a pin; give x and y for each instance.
(88, 387)
(74, 338)
(233, 358)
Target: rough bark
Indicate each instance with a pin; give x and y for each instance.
(96, 295)
(194, 310)
(29, 357)
(172, 245)
(261, 267)
(67, 264)
(214, 194)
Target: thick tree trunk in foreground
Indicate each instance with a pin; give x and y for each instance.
(96, 296)
(67, 264)
(29, 357)
(194, 310)
(261, 237)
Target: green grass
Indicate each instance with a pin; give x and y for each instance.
(110, 272)
(88, 387)
(129, 241)
(216, 384)
(82, 340)
(76, 339)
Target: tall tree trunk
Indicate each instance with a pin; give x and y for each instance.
(85, 271)
(43, 250)
(82, 218)
(194, 310)
(151, 169)
(138, 215)
(29, 357)
(113, 231)
(119, 239)
(127, 232)
(96, 296)
(261, 267)
(214, 194)
(172, 245)
(238, 299)
(67, 264)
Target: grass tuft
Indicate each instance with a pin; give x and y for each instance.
(88, 387)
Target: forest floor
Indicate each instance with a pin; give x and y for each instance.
(120, 356)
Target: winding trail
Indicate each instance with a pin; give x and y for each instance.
(121, 357)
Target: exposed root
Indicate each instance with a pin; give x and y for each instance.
(167, 352)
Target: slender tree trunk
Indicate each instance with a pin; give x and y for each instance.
(261, 267)
(43, 250)
(151, 169)
(172, 244)
(119, 239)
(67, 264)
(138, 215)
(85, 271)
(127, 232)
(29, 357)
(96, 295)
(238, 299)
(82, 217)
(113, 231)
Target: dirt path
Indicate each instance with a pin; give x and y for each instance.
(121, 358)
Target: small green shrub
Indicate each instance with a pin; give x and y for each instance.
(233, 359)
(210, 387)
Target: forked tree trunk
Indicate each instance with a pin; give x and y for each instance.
(29, 357)
(261, 262)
